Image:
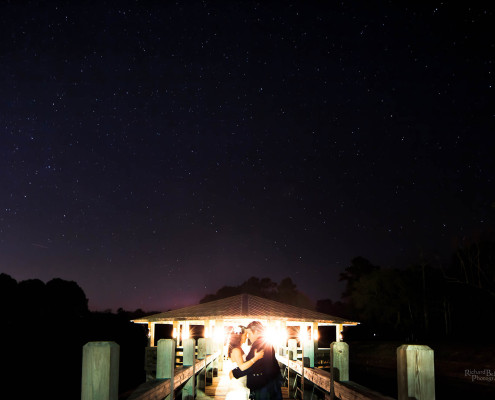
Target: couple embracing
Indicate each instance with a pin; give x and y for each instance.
(257, 374)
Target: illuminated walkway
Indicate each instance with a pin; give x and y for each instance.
(218, 390)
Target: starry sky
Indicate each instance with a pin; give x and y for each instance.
(154, 152)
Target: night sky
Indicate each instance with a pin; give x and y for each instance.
(154, 152)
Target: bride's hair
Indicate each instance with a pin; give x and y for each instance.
(235, 338)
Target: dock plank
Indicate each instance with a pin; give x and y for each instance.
(219, 388)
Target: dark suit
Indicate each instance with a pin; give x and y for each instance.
(263, 377)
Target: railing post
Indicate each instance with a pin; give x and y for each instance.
(209, 367)
(309, 352)
(165, 363)
(189, 389)
(100, 371)
(201, 379)
(415, 372)
(291, 355)
(340, 361)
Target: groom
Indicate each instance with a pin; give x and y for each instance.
(263, 377)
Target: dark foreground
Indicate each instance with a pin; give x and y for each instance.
(461, 371)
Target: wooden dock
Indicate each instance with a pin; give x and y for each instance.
(218, 390)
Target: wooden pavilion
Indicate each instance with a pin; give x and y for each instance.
(242, 309)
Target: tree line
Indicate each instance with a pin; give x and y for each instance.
(45, 325)
(423, 301)
(43, 328)
(426, 300)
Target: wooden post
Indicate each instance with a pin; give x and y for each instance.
(304, 340)
(338, 332)
(415, 372)
(176, 332)
(292, 350)
(201, 380)
(165, 363)
(209, 367)
(316, 336)
(283, 339)
(189, 389)
(219, 338)
(180, 332)
(151, 333)
(340, 360)
(100, 371)
(292, 355)
(311, 345)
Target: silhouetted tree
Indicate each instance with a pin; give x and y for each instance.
(359, 267)
(66, 297)
(335, 308)
(285, 292)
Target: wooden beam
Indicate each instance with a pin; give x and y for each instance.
(160, 389)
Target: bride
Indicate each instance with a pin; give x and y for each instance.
(238, 389)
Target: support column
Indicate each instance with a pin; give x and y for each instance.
(151, 333)
(176, 332)
(219, 340)
(283, 338)
(100, 371)
(339, 332)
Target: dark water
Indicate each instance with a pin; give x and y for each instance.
(384, 381)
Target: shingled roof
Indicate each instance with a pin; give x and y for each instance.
(245, 306)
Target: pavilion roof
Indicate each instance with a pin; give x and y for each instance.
(245, 306)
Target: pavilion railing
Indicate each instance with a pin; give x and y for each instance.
(415, 374)
(101, 365)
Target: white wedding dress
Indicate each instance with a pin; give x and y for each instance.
(237, 389)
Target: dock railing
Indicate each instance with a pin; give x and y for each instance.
(100, 372)
(415, 374)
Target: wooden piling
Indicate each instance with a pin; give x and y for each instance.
(415, 372)
(165, 363)
(189, 389)
(100, 371)
(340, 359)
(201, 377)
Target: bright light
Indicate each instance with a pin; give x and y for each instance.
(174, 333)
(185, 334)
(303, 335)
(219, 335)
(315, 334)
(206, 332)
(283, 336)
(271, 335)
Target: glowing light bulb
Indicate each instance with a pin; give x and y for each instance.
(271, 335)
